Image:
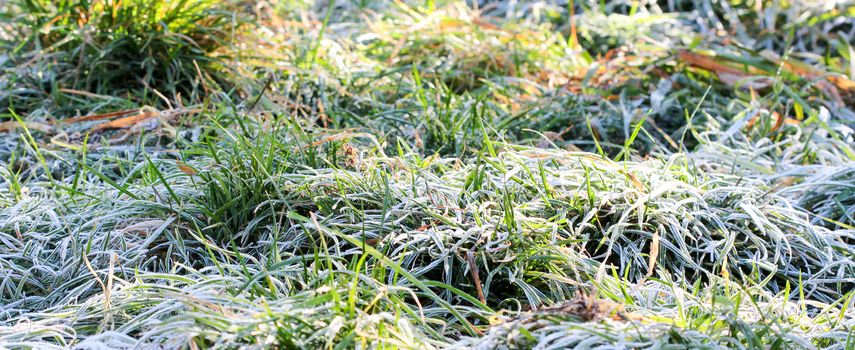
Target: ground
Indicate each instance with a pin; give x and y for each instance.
(438, 175)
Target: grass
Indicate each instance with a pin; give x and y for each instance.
(62, 51)
(437, 175)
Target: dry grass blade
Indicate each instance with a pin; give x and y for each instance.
(13, 125)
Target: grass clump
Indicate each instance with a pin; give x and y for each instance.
(118, 48)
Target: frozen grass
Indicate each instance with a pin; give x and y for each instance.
(436, 176)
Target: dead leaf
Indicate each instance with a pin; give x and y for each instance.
(337, 137)
(727, 74)
(634, 179)
(94, 117)
(779, 121)
(806, 71)
(128, 121)
(473, 269)
(708, 63)
(654, 254)
(186, 168)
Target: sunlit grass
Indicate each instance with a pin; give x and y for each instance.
(67, 50)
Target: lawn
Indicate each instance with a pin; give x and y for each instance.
(624, 174)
